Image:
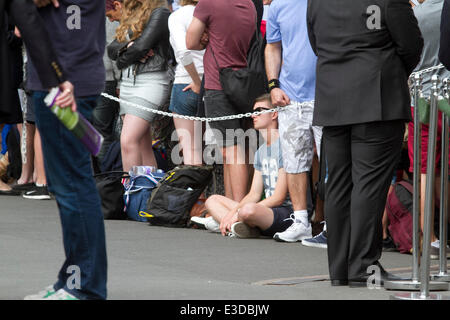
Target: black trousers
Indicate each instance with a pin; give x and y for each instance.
(361, 159)
(104, 117)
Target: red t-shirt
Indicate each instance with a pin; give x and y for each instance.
(231, 25)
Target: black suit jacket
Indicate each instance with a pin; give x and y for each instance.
(365, 56)
(444, 53)
(23, 13)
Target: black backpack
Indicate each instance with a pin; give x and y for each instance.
(176, 194)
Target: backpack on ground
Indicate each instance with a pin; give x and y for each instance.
(137, 192)
(175, 195)
(399, 206)
(111, 190)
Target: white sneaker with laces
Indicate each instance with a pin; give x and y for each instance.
(208, 223)
(296, 232)
(61, 294)
(41, 295)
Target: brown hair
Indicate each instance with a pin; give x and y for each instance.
(135, 16)
(265, 97)
(187, 2)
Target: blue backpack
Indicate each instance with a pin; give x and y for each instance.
(137, 192)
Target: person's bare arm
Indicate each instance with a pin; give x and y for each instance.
(280, 193)
(252, 197)
(196, 81)
(273, 66)
(43, 3)
(194, 35)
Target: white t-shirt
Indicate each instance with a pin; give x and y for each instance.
(179, 22)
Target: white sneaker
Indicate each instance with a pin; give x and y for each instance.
(61, 294)
(242, 230)
(44, 294)
(296, 232)
(208, 223)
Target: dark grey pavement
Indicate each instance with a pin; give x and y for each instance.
(171, 264)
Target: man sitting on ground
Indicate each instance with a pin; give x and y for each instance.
(252, 216)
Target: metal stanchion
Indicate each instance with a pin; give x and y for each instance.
(424, 293)
(443, 217)
(414, 283)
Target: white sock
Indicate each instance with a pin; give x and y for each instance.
(435, 244)
(302, 216)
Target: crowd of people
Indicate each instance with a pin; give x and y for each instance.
(339, 70)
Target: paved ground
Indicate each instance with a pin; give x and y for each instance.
(171, 264)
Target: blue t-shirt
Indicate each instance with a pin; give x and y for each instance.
(268, 160)
(287, 23)
(77, 33)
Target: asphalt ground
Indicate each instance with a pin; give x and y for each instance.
(157, 263)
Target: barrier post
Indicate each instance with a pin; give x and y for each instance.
(425, 284)
(443, 217)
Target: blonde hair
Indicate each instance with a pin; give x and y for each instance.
(187, 2)
(135, 16)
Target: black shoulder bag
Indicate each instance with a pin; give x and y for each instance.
(243, 86)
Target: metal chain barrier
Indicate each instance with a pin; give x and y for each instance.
(223, 118)
(237, 116)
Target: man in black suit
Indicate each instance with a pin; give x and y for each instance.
(365, 55)
(444, 53)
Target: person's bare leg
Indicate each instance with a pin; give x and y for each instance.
(39, 168)
(227, 181)
(191, 145)
(385, 219)
(237, 171)
(256, 215)
(147, 153)
(297, 186)
(28, 167)
(218, 206)
(133, 130)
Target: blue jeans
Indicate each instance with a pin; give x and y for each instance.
(68, 169)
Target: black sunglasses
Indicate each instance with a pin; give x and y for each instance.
(260, 109)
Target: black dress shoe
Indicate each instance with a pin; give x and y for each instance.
(338, 283)
(384, 276)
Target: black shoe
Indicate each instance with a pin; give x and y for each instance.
(339, 283)
(389, 245)
(384, 276)
(24, 187)
(38, 193)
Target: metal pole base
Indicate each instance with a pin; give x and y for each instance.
(418, 296)
(441, 277)
(410, 285)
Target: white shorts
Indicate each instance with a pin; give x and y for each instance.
(297, 136)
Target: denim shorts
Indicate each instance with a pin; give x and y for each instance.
(183, 102)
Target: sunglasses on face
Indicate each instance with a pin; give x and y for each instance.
(260, 109)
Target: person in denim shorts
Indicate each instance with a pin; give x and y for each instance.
(186, 87)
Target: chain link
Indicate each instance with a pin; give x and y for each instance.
(236, 116)
(428, 70)
(222, 118)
